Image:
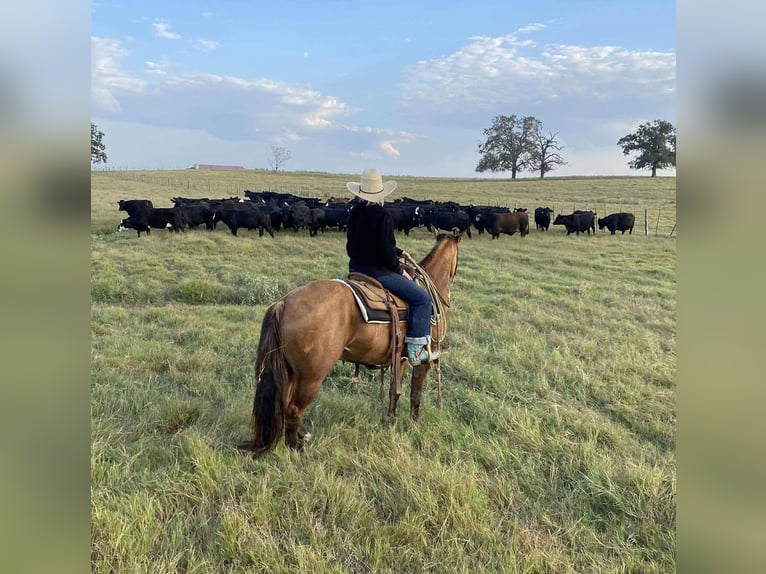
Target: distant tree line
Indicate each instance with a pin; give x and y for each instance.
(516, 144)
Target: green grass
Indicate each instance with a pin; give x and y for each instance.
(554, 451)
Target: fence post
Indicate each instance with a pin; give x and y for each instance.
(646, 221)
(657, 229)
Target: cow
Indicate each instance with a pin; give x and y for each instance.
(244, 217)
(316, 221)
(133, 206)
(296, 215)
(404, 217)
(449, 218)
(508, 223)
(333, 201)
(543, 218)
(480, 223)
(157, 217)
(336, 217)
(579, 221)
(622, 221)
(197, 214)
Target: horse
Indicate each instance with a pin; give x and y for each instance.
(305, 332)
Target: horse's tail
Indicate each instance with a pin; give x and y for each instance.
(272, 384)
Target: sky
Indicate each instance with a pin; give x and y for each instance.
(406, 87)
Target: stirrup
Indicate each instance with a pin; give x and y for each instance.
(418, 354)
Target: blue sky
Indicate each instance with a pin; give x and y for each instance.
(404, 86)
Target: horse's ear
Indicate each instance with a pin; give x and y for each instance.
(460, 236)
(436, 231)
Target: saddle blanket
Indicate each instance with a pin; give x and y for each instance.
(371, 301)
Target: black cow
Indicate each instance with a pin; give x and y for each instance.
(316, 220)
(336, 217)
(296, 215)
(579, 221)
(134, 206)
(276, 214)
(157, 217)
(508, 223)
(245, 217)
(404, 217)
(543, 218)
(444, 219)
(622, 221)
(197, 214)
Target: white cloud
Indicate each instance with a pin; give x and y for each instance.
(536, 27)
(492, 73)
(155, 68)
(233, 108)
(389, 149)
(107, 76)
(205, 45)
(162, 30)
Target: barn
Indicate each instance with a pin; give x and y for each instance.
(214, 167)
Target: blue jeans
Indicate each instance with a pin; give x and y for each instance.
(419, 323)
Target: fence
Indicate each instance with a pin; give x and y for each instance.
(650, 219)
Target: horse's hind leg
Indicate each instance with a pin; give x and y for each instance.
(304, 394)
(416, 390)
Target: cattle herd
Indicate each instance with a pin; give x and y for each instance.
(269, 211)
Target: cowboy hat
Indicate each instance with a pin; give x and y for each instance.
(371, 187)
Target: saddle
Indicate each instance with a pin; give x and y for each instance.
(378, 305)
(375, 302)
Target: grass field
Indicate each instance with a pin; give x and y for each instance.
(554, 452)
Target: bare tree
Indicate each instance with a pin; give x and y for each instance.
(279, 156)
(545, 156)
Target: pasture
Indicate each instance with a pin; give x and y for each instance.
(555, 449)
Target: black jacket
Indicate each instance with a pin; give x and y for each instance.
(370, 238)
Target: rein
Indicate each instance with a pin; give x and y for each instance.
(439, 301)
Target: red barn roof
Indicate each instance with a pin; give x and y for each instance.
(210, 166)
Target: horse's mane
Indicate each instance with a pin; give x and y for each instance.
(435, 249)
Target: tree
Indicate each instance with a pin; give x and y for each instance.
(97, 146)
(509, 145)
(545, 156)
(655, 143)
(279, 156)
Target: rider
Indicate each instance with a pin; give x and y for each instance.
(372, 250)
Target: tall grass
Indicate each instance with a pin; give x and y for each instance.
(554, 451)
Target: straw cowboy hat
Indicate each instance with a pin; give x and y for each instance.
(371, 187)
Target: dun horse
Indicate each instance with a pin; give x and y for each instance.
(309, 329)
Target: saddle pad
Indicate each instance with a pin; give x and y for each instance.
(372, 302)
